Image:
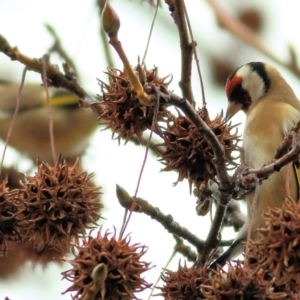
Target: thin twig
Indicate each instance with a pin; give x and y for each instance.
(150, 33)
(194, 44)
(251, 217)
(178, 14)
(183, 249)
(59, 49)
(153, 125)
(54, 76)
(159, 277)
(142, 206)
(15, 115)
(134, 79)
(50, 117)
(247, 179)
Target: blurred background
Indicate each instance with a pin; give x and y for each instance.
(77, 24)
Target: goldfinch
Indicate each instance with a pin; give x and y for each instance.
(271, 109)
(72, 126)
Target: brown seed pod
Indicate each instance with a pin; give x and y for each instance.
(123, 267)
(244, 283)
(187, 151)
(277, 249)
(122, 111)
(57, 204)
(183, 284)
(8, 223)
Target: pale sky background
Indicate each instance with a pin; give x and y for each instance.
(77, 23)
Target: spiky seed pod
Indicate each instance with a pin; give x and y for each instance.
(8, 223)
(183, 284)
(240, 282)
(277, 249)
(123, 267)
(122, 111)
(57, 204)
(187, 151)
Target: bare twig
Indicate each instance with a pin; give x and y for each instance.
(153, 125)
(59, 49)
(178, 14)
(49, 108)
(287, 141)
(150, 33)
(142, 206)
(194, 44)
(54, 76)
(111, 26)
(15, 115)
(247, 179)
(183, 249)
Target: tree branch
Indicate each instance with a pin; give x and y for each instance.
(178, 14)
(54, 76)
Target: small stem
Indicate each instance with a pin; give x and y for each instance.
(134, 79)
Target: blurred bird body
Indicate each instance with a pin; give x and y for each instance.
(30, 135)
(271, 109)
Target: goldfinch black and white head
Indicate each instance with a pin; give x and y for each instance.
(253, 82)
(245, 86)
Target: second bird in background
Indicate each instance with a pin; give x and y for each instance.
(72, 125)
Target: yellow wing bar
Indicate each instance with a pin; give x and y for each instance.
(62, 99)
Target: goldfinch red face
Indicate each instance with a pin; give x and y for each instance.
(245, 86)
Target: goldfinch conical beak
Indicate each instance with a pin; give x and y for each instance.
(232, 109)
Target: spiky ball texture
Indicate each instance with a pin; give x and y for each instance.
(277, 249)
(184, 283)
(241, 282)
(123, 264)
(8, 223)
(187, 151)
(57, 204)
(122, 111)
